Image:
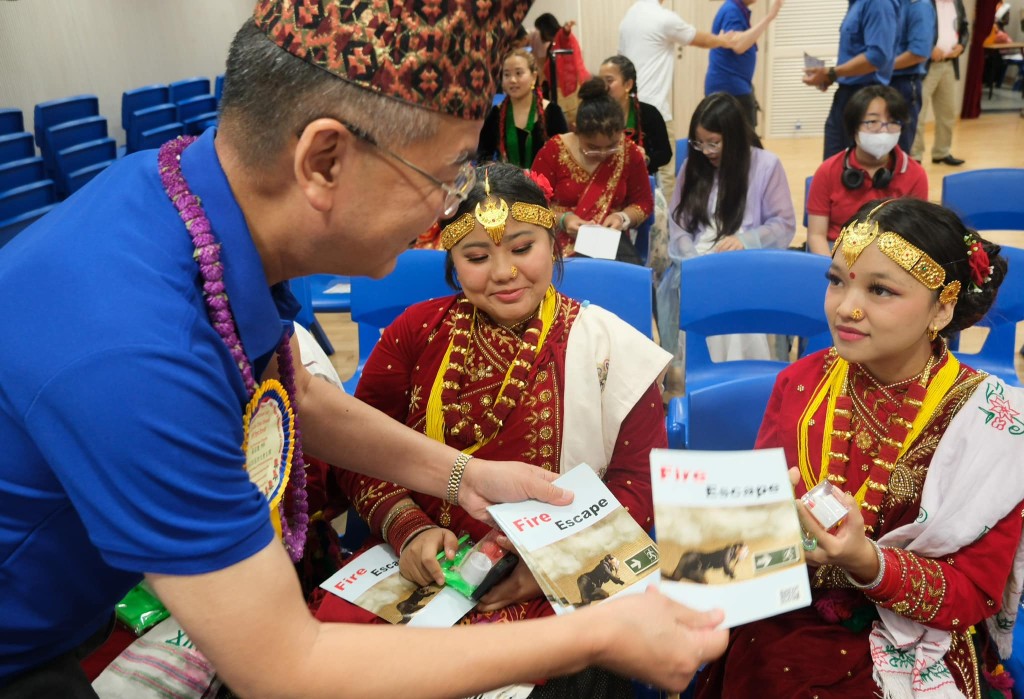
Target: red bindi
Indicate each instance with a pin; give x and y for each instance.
(852, 275)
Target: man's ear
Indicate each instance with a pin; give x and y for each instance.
(319, 153)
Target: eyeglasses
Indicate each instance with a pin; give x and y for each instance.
(706, 148)
(454, 193)
(601, 152)
(874, 126)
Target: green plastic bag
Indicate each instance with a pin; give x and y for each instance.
(140, 610)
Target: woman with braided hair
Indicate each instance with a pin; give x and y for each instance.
(644, 125)
(916, 591)
(517, 128)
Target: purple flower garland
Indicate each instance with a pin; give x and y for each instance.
(207, 256)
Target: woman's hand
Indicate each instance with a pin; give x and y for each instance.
(727, 244)
(519, 586)
(848, 547)
(418, 562)
(572, 224)
(618, 220)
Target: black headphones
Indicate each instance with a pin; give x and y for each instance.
(853, 177)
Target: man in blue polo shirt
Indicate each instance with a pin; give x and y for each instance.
(913, 47)
(150, 324)
(867, 49)
(731, 69)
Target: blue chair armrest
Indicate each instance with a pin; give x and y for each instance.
(675, 423)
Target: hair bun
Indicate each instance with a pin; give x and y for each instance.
(594, 88)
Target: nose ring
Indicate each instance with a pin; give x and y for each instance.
(514, 272)
(857, 314)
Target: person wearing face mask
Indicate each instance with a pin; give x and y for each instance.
(597, 174)
(874, 167)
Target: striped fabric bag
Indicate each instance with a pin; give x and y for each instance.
(163, 664)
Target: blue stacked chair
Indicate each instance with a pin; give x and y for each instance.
(61, 111)
(682, 152)
(19, 173)
(22, 205)
(16, 146)
(78, 164)
(218, 87)
(197, 113)
(152, 126)
(11, 121)
(80, 149)
(181, 90)
(141, 98)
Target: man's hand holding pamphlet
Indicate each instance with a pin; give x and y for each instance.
(584, 552)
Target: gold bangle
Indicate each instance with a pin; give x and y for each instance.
(455, 478)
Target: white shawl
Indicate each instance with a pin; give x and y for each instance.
(975, 479)
(609, 365)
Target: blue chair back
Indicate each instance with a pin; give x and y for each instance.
(48, 114)
(196, 106)
(218, 87)
(643, 232)
(682, 152)
(102, 151)
(181, 90)
(16, 146)
(21, 172)
(156, 137)
(148, 119)
(749, 291)
(328, 294)
(11, 121)
(418, 276)
(807, 196)
(722, 416)
(619, 287)
(998, 353)
(26, 198)
(141, 98)
(987, 199)
(71, 133)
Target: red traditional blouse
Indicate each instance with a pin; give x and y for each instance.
(620, 183)
(822, 651)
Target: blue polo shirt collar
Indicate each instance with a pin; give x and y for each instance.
(743, 8)
(252, 300)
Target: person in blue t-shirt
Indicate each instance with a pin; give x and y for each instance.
(867, 50)
(913, 48)
(731, 69)
(151, 330)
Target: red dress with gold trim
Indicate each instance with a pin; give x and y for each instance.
(620, 183)
(397, 379)
(822, 650)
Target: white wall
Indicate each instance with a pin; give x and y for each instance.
(58, 48)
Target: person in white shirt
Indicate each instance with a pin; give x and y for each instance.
(648, 35)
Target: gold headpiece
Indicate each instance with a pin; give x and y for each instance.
(492, 213)
(858, 235)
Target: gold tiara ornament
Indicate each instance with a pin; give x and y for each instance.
(492, 213)
(858, 235)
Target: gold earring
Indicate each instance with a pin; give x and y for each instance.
(514, 272)
(933, 332)
(857, 314)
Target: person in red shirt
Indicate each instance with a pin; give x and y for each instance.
(874, 168)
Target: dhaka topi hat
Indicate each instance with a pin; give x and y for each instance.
(442, 55)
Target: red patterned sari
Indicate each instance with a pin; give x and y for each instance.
(823, 650)
(397, 379)
(620, 183)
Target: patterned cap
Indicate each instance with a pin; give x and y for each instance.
(442, 55)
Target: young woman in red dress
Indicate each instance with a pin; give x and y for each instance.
(916, 592)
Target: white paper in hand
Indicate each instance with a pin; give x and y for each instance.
(598, 241)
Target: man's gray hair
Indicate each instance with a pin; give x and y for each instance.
(271, 96)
